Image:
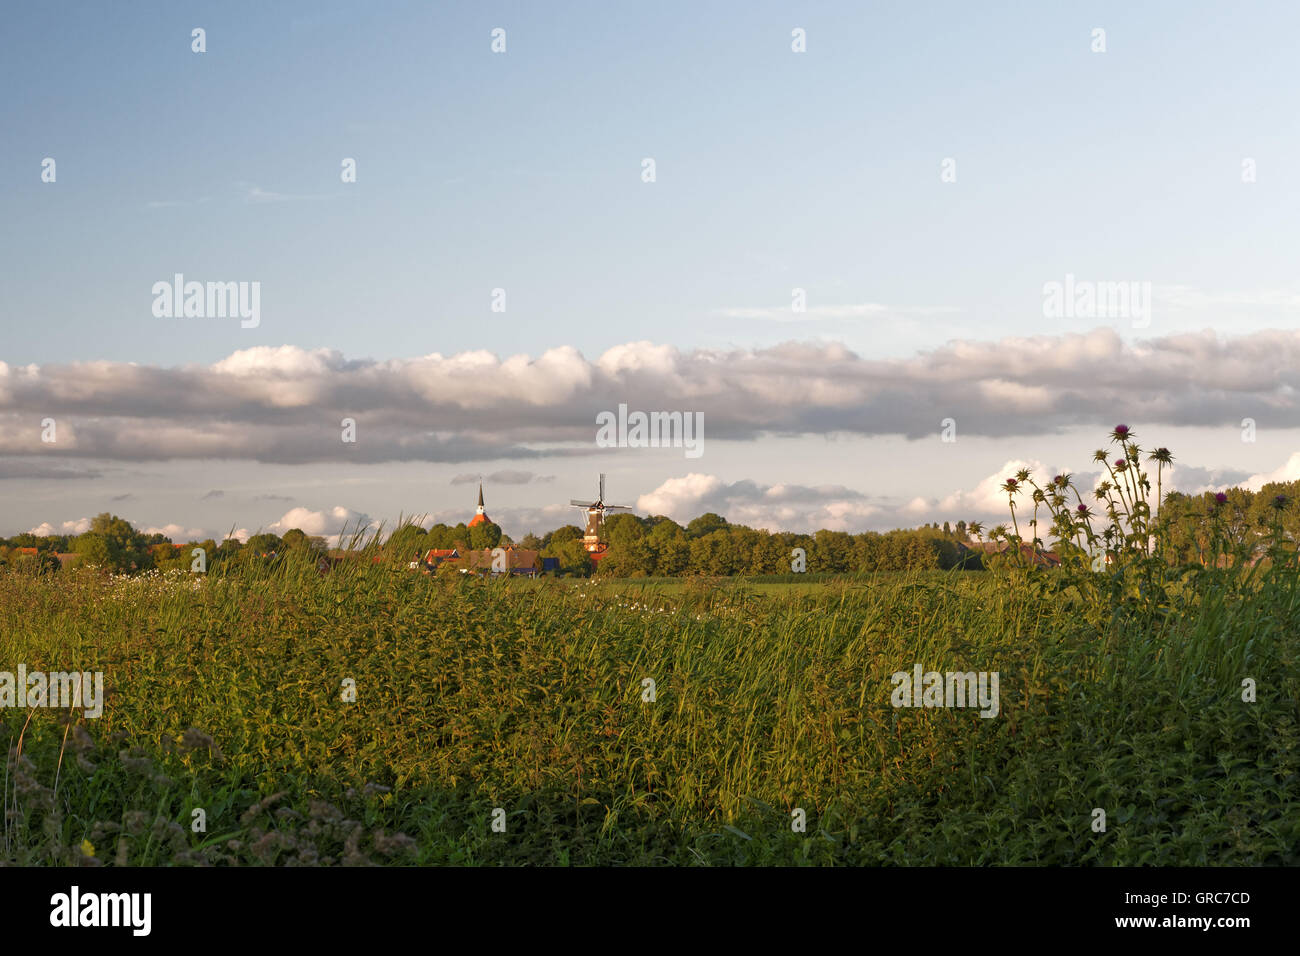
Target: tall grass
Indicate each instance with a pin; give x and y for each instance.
(225, 694)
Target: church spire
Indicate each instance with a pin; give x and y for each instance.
(480, 515)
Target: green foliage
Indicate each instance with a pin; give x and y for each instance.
(568, 532)
(705, 524)
(572, 555)
(260, 544)
(484, 536)
(474, 694)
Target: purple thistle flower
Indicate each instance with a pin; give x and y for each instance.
(1220, 498)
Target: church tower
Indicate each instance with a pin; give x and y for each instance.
(480, 516)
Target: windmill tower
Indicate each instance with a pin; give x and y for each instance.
(596, 520)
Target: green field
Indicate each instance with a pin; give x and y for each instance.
(226, 694)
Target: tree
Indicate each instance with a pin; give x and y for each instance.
(633, 560)
(295, 539)
(260, 544)
(673, 556)
(404, 543)
(573, 557)
(708, 553)
(568, 532)
(440, 536)
(832, 551)
(484, 536)
(867, 552)
(124, 548)
(91, 549)
(663, 530)
(706, 523)
(622, 530)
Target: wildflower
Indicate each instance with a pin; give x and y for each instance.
(1120, 464)
(1099, 455)
(1011, 487)
(1161, 455)
(1122, 433)
(1083, 511)
(1279, 502)
(1220, 498)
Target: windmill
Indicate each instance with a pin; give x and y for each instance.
(596, 520)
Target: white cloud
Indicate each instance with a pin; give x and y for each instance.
(76, 526)
(177, 532)
(776, 507)
(336, 524)
(1288, 471)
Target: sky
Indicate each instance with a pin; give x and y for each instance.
(841, 247)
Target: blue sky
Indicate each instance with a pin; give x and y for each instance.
(522, 171)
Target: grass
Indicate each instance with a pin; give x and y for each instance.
(225, 694)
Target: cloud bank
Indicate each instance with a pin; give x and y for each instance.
(287, 404)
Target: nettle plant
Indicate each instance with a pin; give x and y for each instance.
(1116, 525)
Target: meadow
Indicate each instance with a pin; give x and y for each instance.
(227, 694)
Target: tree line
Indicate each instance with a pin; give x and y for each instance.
(659, 546)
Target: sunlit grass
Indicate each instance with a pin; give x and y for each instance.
(475, 694)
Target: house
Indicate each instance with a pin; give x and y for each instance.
(518, 561)
(432, 558)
